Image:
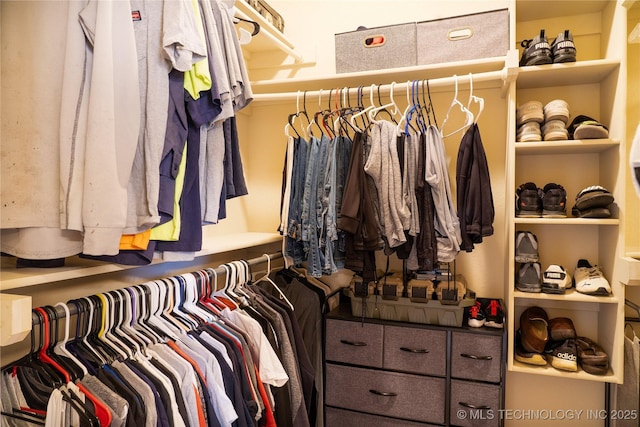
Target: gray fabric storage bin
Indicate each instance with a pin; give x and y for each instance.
(376, 48)
(462, 38)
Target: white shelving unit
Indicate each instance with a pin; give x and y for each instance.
(595, 86)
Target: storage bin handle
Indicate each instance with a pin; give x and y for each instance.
(456, 34)
(474, 357)
(469, 405)
(377, 40)
(415, 350)
(383, 393)
(354, 343)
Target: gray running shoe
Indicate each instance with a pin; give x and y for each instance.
(526, 247)
(529, 277)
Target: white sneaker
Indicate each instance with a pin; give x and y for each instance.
(554, 130)
(558, 109)
(529, 112)
(529, 132)
(555, 280)
(589, 279)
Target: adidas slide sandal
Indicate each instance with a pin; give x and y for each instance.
(584, 127)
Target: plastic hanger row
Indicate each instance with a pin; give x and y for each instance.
(340, 117)
(120, 324)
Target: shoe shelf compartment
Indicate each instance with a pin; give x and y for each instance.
(593, 86)
(590, 320)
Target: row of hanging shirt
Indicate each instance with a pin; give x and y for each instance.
(355, 182)
(171, 352)
(145, 133)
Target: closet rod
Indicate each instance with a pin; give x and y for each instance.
(399, 88)
(73, 310)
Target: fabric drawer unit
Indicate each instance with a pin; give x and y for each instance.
(407, 396)
(476, 356)
(474, 404)
(423, 351)
(341, 417)
(376, 48)
(462, 38)
(353, 342)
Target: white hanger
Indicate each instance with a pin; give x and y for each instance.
(475, 99)
(60, 348)
(313, 121)
(191, 298)
(128, 320)
(392, 103)
(179, 302)
(405, 113)
(143, 315)
(156, 306)
(268, 279)
(108, 324)
(456, 102)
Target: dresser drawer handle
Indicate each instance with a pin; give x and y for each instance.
(474, 357)
(415, 350)
(354, 343)
(469, 405)
(383, 393)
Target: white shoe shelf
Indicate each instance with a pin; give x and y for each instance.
(595, 86)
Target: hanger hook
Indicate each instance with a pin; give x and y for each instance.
(298, 102)
(215, 279)
(455, 94)
(268, 263)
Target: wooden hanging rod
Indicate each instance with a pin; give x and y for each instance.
(73, 309)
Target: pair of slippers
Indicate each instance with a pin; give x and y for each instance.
(585, 127)
(593, 202)
(592, 357)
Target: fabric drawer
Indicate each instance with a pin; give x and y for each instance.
(462, 38)
(354, 342)
(474, 404)
(376, 48)
(476, 357)
(422, 351)
(386, 393)
(341, 418)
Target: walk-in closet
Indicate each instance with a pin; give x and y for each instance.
(305, 213)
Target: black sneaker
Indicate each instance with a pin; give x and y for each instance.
(554, 201)
(493, 314)
(536, 51)
(528, 201)
(476, 317)
(563, 49)
(563, 354)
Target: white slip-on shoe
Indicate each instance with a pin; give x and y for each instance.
(530, 111)
(529, 132)
(558, 109)
(554, 130)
